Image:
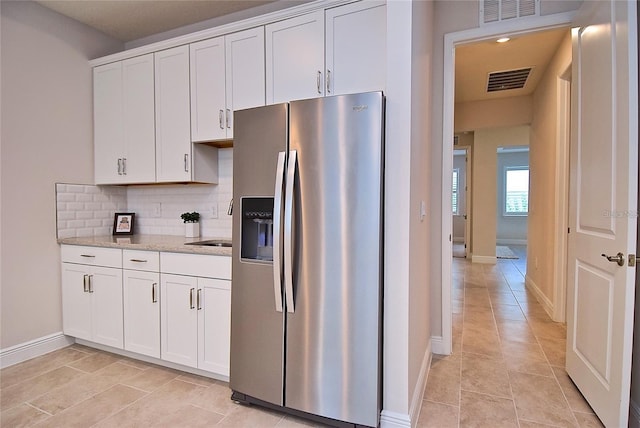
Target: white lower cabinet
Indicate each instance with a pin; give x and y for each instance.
(179, 319)
(142, 312)
(141, 291)
(92, 297)
(214, 325)
(172, 306)
(195, 320)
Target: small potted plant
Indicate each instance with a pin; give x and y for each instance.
(192, 225)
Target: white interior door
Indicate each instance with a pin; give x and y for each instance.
(603, 203)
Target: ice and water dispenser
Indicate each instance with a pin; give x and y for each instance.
(257, 229)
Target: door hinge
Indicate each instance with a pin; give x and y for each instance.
(449, 237)
(568, 230)
(632, 260)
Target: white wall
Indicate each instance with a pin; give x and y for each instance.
(543, 157)
(421, 148)
(47, 137)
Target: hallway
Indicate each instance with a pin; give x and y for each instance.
(507, 366)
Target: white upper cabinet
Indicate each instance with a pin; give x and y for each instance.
(124, 121)
(338, 51)
(295, 58)
(244, 72)
(227, 73)
(208, 90)
(356, 48)
(173, 121)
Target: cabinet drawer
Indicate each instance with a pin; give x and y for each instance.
(141, 260)
(196, 265)
(93, 256)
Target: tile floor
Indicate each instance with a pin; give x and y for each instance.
(506, 370)
(83, 387)
(507, 366)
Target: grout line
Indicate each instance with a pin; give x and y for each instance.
(37, 408)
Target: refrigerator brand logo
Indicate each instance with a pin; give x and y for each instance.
(360, 108)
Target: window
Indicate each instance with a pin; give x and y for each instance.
(454, 191)
(516, 193)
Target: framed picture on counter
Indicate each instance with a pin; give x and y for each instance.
(123, 223)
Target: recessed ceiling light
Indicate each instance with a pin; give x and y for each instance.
(503, 40)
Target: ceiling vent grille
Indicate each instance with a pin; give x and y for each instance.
(506, 80)
(501, 10)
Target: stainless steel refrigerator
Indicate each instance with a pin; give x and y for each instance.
(306, 301)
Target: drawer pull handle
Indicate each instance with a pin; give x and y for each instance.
(87, 255)
(138, 260)
(154, 297)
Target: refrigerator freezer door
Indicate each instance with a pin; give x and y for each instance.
(257, 328)
(333, 338)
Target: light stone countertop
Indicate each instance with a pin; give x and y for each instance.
(167, 243)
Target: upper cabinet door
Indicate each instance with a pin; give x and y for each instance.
(244, 72)
(295, 58)
(108, 123)
(173, 120)
(208, 90)
(356, 48)
(139, 163)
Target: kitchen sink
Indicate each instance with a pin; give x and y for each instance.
(211, 243)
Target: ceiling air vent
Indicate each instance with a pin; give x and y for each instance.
(501, 10)
(506, 80)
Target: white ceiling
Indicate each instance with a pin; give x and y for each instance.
(475, 61)
(128, 20)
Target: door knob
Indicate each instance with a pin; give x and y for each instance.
(618, 258)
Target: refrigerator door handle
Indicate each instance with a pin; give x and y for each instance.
(277, 221)
(288, 230)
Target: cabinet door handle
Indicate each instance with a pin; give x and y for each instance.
(221, 119)
(124, 166)
(191, 298)
(154, 297)
(318, 81)
(199, 299)
(85, 284)
(228, 118)
(90, 283)
(328, 81)
(186, 162)
(119, 166)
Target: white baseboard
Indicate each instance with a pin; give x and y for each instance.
(153, 360)
(33, 348)
(418, 392)
(539, 295)
(389, 419)
(437, 345)
(508, 241)
(489, 260)
(634, 415)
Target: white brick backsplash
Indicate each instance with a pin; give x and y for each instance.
(66, 215)
(66, 197)
(87, 210)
